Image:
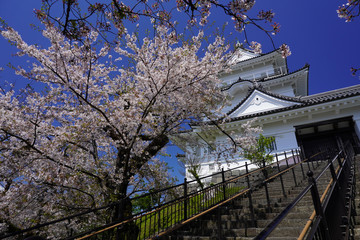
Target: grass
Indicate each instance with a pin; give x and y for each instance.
(171, 214)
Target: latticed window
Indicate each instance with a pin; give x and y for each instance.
(273, 146)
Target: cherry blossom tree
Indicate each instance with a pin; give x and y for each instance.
(91, 134)
(96, 126)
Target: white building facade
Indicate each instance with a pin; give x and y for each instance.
(261, 87)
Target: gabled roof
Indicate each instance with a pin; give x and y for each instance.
(305, 101)
(242, 54)
(257, 94)
(259, 55)
(255, 58)
(333, 95)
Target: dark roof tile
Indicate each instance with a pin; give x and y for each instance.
(305, 101)
(263, 79)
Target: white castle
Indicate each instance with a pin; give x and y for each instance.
(261, 86)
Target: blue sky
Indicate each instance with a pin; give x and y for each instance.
(311, 28)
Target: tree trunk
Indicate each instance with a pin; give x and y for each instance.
(122, 212)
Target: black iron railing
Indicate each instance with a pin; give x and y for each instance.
(324, 224)
(177, 205)
(172, 215)
(332, 212)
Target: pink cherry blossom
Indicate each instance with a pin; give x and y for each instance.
(285, 50)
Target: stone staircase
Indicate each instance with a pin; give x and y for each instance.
(357, 197)
(232, 221)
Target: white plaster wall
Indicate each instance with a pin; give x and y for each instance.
(284, 137)
(284, 129)
(284, 90)
(211, 168)
(249, 73)
(259, 72)
(356, 118)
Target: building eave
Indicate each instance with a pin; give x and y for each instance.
(307, 101)
(281, 97)
(271, 80)
(256, 59)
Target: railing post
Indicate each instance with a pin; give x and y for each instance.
(349, 155)
(341, 154)
(159, 222)
(185, 199)
(332, 170)
(293, 156)
(223, 182)
(266, 187)
(312, 161)
(318, 208)
(250, 198)
(297, 156)
(281, 179)
(303, 157)
(338, 158)
(287, 164)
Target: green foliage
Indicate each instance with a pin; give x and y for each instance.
(194, 170)
(261, 151)
(145, 203)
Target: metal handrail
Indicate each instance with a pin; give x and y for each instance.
(324, 200)
(247, 190)
(348, 159)
(243, 166)
(272, 225)
(349, 217)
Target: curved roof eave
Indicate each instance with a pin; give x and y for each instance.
(307, 101)
(257, 58)
(307, 66)
(282, 97)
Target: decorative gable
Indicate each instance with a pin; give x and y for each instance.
(242, 55)
(259, 101)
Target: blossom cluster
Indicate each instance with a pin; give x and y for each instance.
(285, 50)
(256, 47)
(239, 9)
(349, 11)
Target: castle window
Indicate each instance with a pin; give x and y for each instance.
(211, 167)
(326, 127)
(306, 130)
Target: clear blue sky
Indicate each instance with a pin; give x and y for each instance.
(311, 28)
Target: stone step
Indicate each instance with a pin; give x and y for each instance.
(296, 220)
(262, 223)
(268, 238)
(291, 215)
(357, 232)
(284, 231)
(253, 232)
(226, 238)
(235, 215)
